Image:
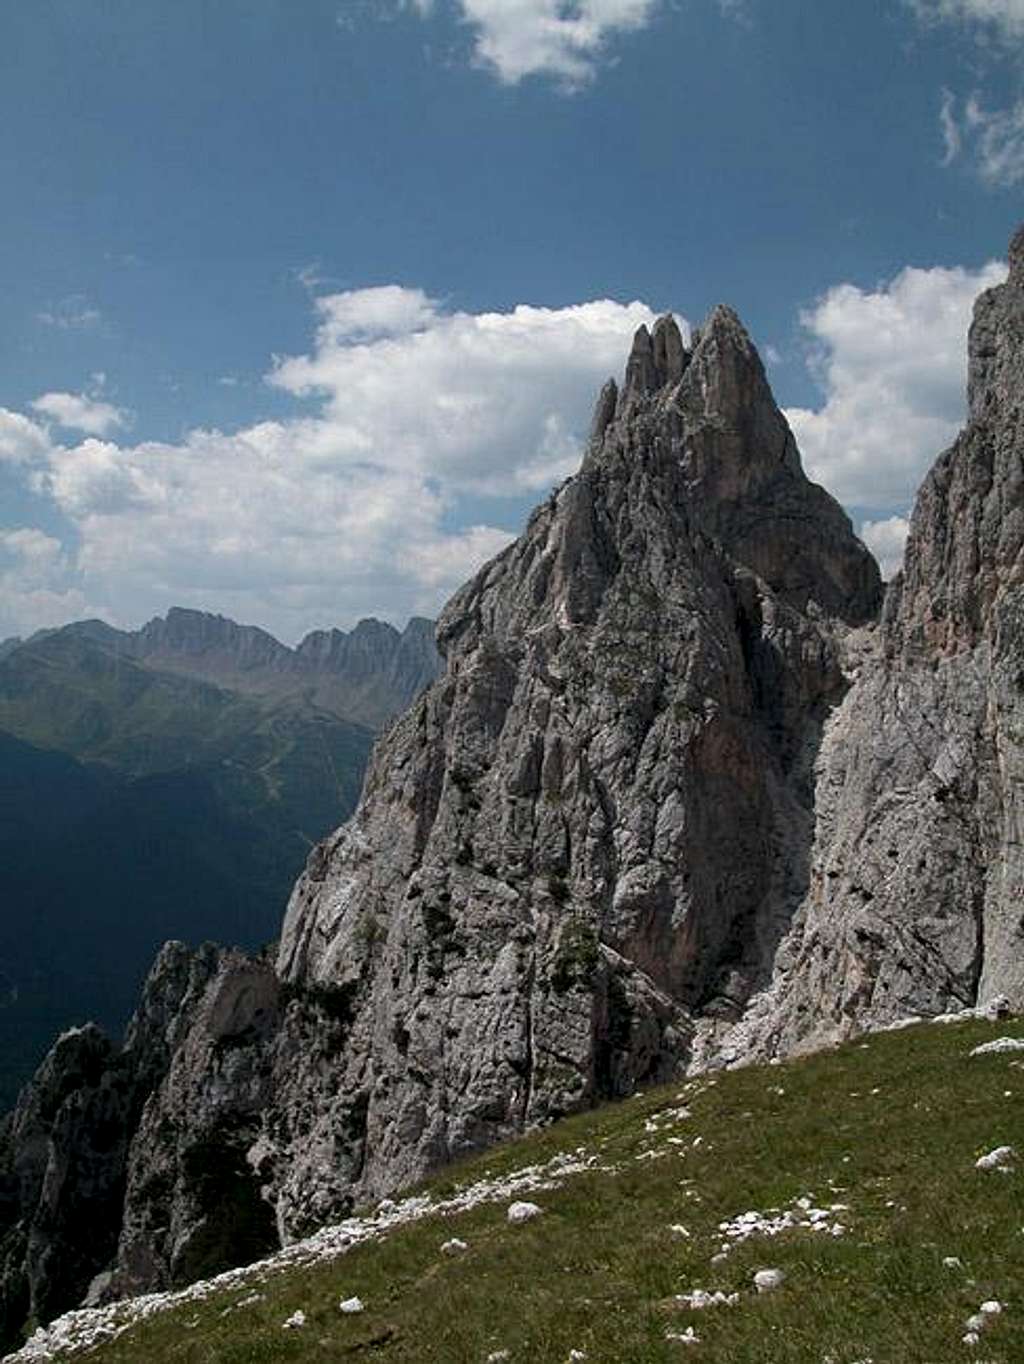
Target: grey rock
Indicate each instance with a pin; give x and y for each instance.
(64, 1149)
(917, 873)
(590, 829)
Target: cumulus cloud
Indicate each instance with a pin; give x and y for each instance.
(349, 509)
(518, 38)
(892, 362)
(34, 587)
(22, 441)
(490, 403)
(79, 412)
(886, 540)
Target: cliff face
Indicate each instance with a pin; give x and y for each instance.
(917, 881)
(680, 797)
(597, 823)
(64, 1148)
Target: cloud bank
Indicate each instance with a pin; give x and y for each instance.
(356, 507)
(893, 366)
(421, 435)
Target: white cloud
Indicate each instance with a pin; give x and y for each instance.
(993, 139)
(518, 38)
(893, 366)
(73, 313)
(357, 507)
(79, 412)
(998, 139)
(369, 314)
(22, 441)
(1002, 19)
(886, 540)
(34, 588)
(951, 138)
(490, 403)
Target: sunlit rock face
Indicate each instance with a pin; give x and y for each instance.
(916, 900)
(595, 827)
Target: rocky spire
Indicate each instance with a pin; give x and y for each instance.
(657, 358)
(566, 850)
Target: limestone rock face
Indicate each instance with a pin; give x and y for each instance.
(917, 878)
(64, 1149)
(596, 823)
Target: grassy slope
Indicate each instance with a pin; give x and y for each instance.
(890, 1126)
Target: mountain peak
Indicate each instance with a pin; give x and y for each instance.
(657, 358)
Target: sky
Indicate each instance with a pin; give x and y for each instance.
(306, 305)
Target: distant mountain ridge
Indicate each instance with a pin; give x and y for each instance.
(366, 675)
(168, 782)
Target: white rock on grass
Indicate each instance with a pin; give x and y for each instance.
(996, 1159)
(687, 1337)
(576, 1355)
(498, 1356)
(765, 1280)
(952, 1262)
(700, 1298)
(523, 1212)
(351, 1305)
(990, 1012)
(296, 1320)
(997, 1045)
(992, 1308)
(85, 1328)
(454, 1247)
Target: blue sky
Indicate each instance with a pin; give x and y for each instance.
(305, 305)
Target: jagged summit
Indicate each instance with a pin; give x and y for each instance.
(704, 463)
(658, 358)
(592, 822)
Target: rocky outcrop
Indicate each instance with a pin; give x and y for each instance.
(917, 877)
(592, 830)
(596, 825)
(64, 1149)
